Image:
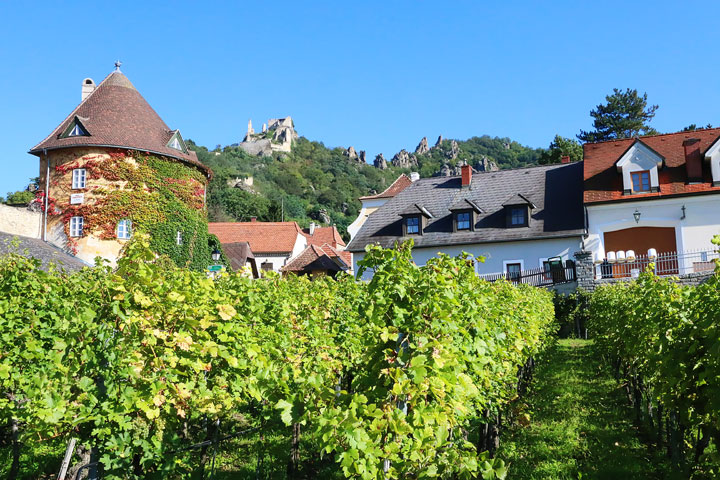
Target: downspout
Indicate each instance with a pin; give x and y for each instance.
(47, 192)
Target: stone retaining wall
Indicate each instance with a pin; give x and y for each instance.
(585, 270)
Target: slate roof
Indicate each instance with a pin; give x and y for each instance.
(323, 235)
(116, 115)
(400, 184)
(603, 183)
(46, 252)
(555, 190)
(264, 237)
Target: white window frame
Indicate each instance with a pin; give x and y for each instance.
(79, 177)
(178, 238)
(124, 233)
(76, 131)
(76, 226)
(506, 262)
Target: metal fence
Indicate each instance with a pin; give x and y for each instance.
(664, 264)
(538, 277)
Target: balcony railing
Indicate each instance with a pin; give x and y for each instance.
(538, 277)
(664, 264)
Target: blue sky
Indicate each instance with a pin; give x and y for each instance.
(378, 75)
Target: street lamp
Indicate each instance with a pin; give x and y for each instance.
(636, 214)
(215, 255)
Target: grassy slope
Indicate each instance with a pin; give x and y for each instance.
(581, 426)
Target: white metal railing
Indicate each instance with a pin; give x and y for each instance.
(664, 264)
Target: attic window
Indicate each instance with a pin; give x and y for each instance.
(177, 143)
(517, 216)
(412, 225)
(641, 181)
(463, 220)
(75, 129)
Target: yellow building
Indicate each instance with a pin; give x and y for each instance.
(113, 167)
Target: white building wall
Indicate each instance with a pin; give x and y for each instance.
(368, 207)
(694, 232)
(530, 253)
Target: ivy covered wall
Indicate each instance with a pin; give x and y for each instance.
(161, 196)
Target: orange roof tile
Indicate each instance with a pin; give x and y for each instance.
(263, 237)
(322, 235)
(400, 184)
(603, 183)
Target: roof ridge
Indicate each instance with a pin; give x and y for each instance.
(640, 137)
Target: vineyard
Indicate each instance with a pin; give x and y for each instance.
(407, 376)
(663, 343)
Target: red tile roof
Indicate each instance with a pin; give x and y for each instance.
(116, 115)
(603, 183)
(263, 237)
(318, 257)
(400, 184)
(323, 235)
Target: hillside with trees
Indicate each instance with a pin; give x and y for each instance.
(321, 184)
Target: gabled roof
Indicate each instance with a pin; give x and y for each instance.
(465, 204)
(116, 115)
(316, 257)
(414, 209)
(556, 191)
(518, 199)
(264, 237)
(603, 183)
(323, 235)
(400, 184)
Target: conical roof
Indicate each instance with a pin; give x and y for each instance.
(116, 115)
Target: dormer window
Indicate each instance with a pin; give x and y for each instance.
(640, 181)
(75, 129)
(414, 219)
(464, 215)
(412, 225)
(517, 211)
(176, 142)
(639, 167)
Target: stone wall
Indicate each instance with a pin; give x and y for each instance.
(585, 270)
(20, 221)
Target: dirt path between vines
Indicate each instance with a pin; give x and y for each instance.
(580, 425)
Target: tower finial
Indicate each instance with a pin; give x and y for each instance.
(117, 65)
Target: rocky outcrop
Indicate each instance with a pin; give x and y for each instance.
(439, 142)
(422, 147)
(403, 159)
(324, 217)
(350, 153)
(361, 157)
(380, 162)
(448, 170)
(486, 165)
(454, 151)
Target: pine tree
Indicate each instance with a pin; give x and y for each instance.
(625, 115)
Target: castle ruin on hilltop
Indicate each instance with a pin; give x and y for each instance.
(277, 135)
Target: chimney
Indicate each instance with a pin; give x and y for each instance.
(565, 159)
(88, 86)
(312, 228)
(466, 175)
(414, 176)
(693, 160)
(253, 219)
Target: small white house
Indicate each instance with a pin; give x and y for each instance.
(515, 219)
